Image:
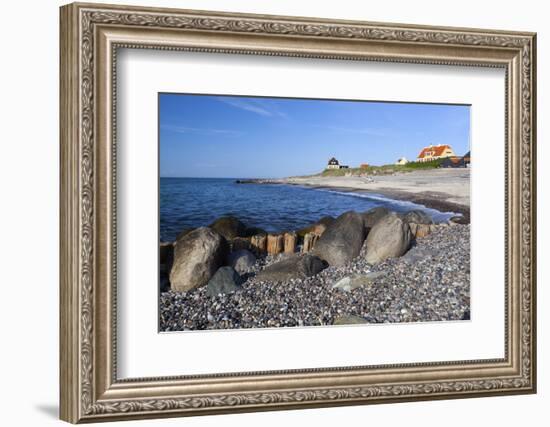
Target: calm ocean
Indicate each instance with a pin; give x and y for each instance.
(196, 202)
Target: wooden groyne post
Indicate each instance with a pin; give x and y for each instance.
(290, 242)
(275, 244)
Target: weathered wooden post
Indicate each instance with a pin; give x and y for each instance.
(309, 241)
(422, 230)
(290, 242)
(274, 244)
(258, 244)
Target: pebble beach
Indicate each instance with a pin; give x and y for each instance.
(430, 282)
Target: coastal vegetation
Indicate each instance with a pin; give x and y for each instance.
(383, 169)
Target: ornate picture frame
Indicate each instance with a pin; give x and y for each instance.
(90, 37)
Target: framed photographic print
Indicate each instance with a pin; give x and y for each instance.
(265, 212)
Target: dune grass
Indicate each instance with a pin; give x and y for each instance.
(384, 169)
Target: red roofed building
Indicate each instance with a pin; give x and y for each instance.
(434, 152)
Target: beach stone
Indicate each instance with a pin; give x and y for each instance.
(197, 256)
(225, 281)
(239, 243)
(342, 240)
(357, 280)
(229, 227)
(389, 238)
(326, 220)
(418, 217)
(241, 260)
(372, 216)
(293, 266)
(183, 233)
(349, 319)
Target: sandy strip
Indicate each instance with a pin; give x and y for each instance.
(441, 189)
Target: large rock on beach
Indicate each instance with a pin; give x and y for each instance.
(225, 281)
(389, 238)
(418, 217)
(295, 266)
(183, 233)
(197, 256)
(229, 227)
(342, 240)
(372, 216)
(239, 243)
(241, 260)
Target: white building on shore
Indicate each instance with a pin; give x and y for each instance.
(335, 164)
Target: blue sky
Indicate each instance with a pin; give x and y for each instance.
(250, 137)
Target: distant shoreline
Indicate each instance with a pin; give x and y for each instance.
(446, 190)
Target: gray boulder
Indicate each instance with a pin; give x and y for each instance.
(342, 240)
(225, 281)
(197, 256)
(229, 227)
(389, 238)
(294, 266)
(183, 233)
(326, 220)
(241, 260)
(372, 216)
(418, 217)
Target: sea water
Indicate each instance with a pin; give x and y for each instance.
(197, 202)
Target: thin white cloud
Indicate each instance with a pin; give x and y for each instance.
(255, 106)
(201, 131)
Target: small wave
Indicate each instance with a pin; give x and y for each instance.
(401, 205)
